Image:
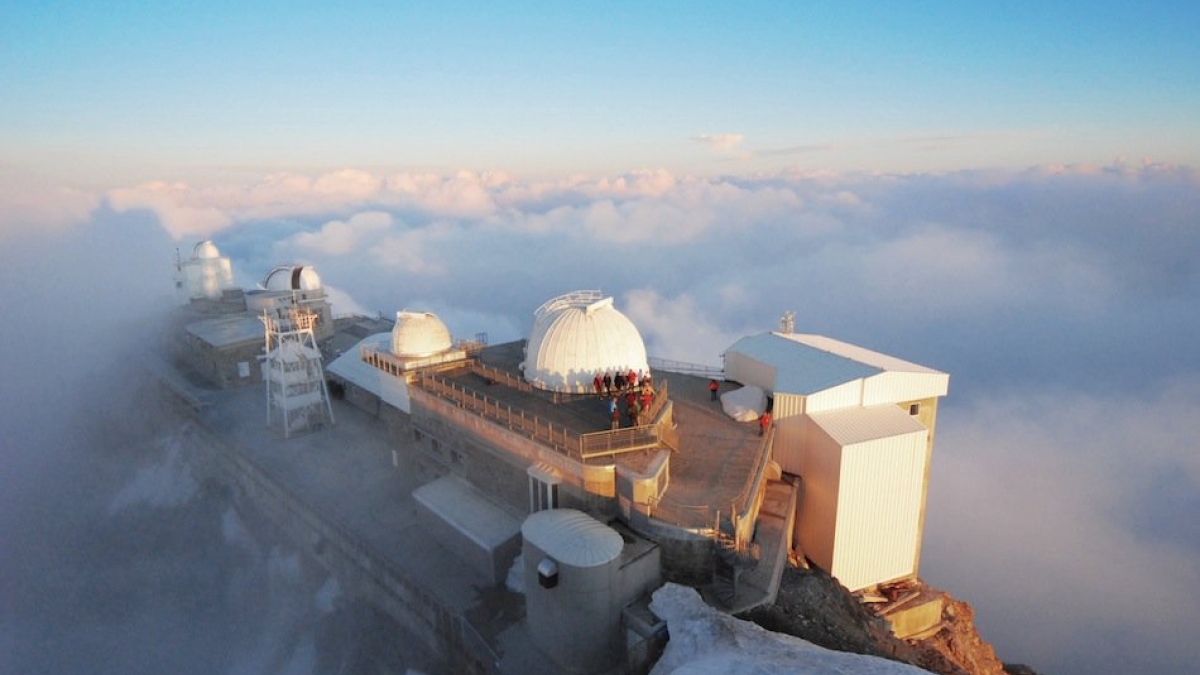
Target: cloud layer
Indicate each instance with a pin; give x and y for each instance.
(1060, 299)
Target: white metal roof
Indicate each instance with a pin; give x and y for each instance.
(859, 425)
(352, 368)
(572, 537)
(577, 335)
(807, 364)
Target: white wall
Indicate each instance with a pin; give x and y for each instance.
(879, 510)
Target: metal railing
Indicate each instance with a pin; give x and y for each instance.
(686, 368)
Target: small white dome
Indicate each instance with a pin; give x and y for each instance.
(205, 250)
(572, 537)
(419, 334)
(292, 278)
(577, 335)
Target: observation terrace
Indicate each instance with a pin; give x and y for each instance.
(716, 464)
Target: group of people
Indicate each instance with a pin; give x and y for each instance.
(609, 384)
(636, 390)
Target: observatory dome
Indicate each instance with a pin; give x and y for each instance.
(205, 250)
(292, 278)
(577, 335)
(419, 334)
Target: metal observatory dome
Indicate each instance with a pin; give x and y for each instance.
(577, 335)
(418, 334)
(292, 278)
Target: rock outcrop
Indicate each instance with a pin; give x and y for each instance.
(814, 606)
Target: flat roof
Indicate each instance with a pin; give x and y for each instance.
(859, 425)
(351, 367)
(469, 511)
(806, 364)
(226, 331)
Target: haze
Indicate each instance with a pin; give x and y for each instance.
(1008, 195)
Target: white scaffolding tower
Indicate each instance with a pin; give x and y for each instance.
(297, 397)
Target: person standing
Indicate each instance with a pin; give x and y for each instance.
(764, 422)
(598, 384)
(608, 383)
(614, 413)
(713, 386)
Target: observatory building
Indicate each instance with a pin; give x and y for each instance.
(222, 338)
(857, 426)
(604, 494)
(206, 274)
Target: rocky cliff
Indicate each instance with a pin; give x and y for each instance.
(814, 606)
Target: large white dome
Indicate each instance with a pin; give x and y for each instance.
(205, 250)
(292, 278)
(419, 334)
(577, 335)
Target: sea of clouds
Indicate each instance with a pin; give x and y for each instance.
(1062, 301)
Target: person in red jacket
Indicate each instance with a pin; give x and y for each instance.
(713, 386)
(764, 422)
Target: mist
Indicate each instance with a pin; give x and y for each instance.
(115, 559)
(1061, 300)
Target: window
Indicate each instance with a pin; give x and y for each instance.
(914, 409)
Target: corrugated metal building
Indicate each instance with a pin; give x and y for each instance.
(857, 426)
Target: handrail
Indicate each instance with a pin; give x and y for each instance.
(741, 503)
(687, 368)
(555, 436)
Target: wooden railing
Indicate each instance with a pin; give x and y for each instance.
(544, 431)
(557, 436)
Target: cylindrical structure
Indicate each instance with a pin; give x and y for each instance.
(571, 599)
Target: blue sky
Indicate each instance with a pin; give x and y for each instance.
(108, 91)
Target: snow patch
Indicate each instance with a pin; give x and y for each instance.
(283, 566)
(705, 641)
(328, 594)
(745, 404)
(234, 532)
(515, 581)
(166, 484)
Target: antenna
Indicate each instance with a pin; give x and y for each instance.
(787, 323)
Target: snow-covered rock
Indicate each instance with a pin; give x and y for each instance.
(705, 641)
(744, 404)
